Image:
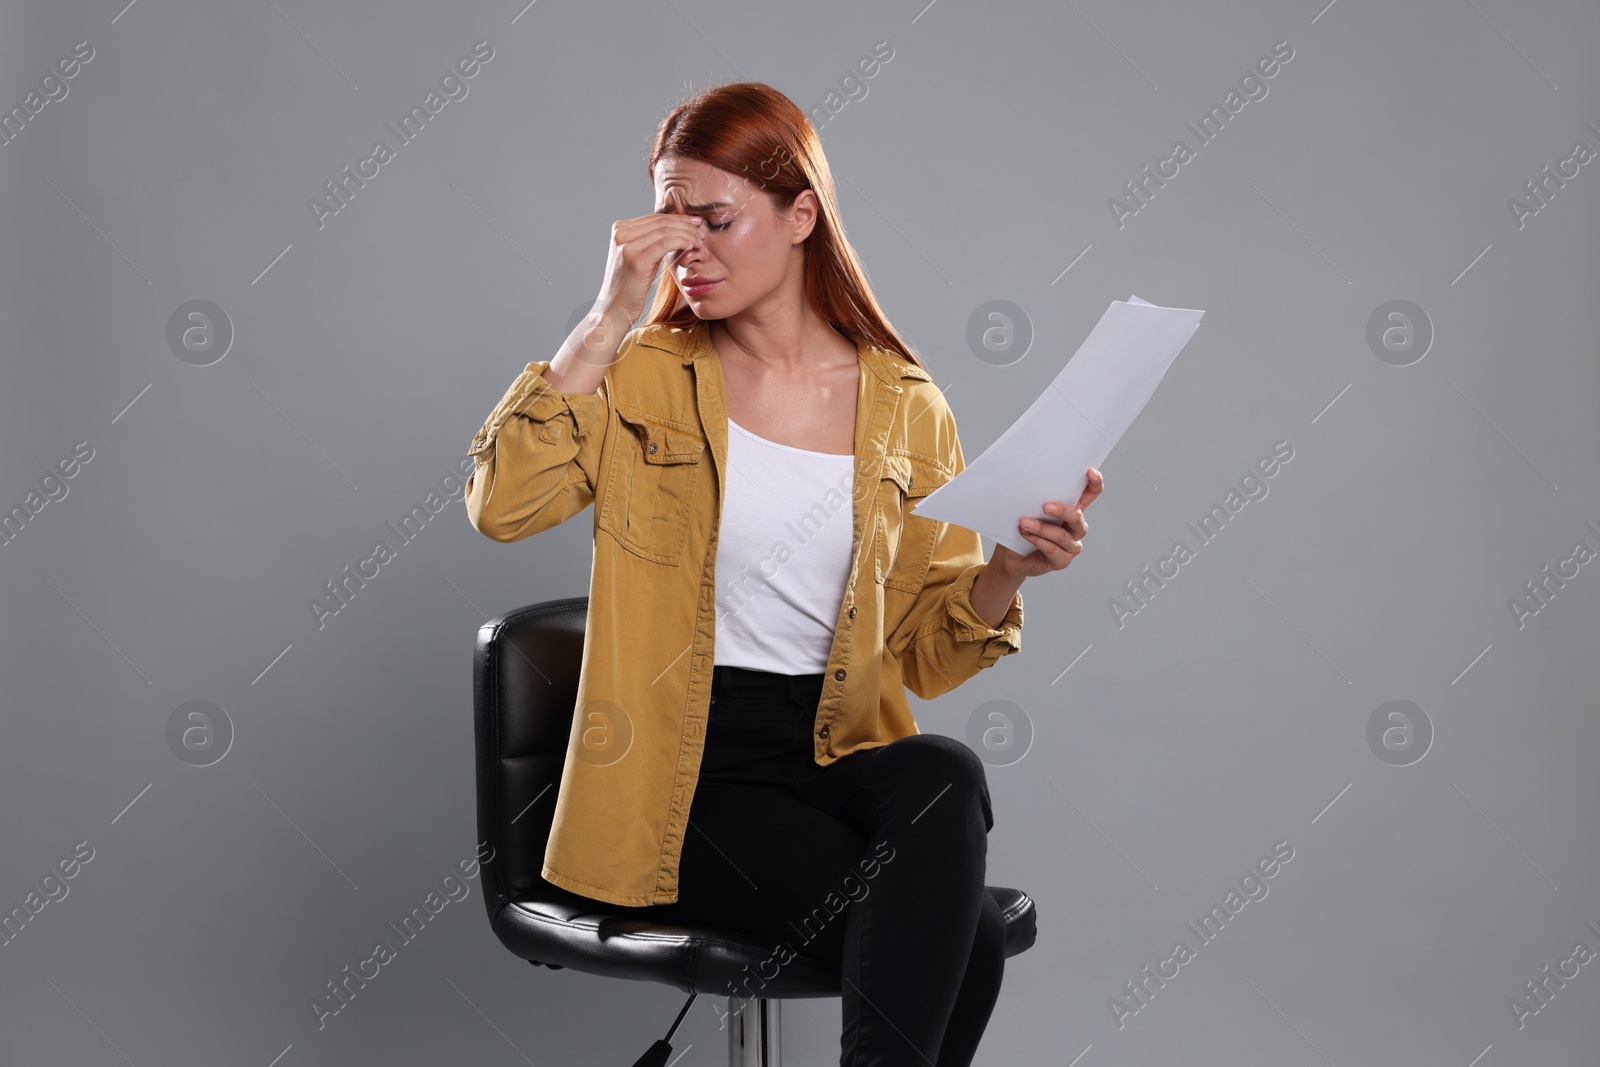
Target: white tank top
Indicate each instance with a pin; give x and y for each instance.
(783, 554)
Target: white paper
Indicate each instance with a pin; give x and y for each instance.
(1074, 425)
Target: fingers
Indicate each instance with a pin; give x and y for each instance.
(1092, 489)
(1061, 544)
(680, 242)
(1072, 517)
(667, 236)
(1036, 529)
(695, 225)
(1053, 543)
(649, 231)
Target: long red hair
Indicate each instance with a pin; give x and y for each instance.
(752, 130)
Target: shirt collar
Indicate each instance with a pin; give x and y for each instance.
(694, 341)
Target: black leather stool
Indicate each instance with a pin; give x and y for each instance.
(525, 685)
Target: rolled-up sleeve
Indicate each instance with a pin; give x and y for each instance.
(943, 641)
(537, 457)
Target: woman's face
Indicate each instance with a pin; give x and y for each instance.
(748, 249)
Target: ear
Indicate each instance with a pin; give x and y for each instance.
(803, 215)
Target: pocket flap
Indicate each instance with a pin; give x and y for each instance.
(898, 470)
(663, 441)
(915, 475)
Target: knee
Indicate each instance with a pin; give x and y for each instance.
(952, 759)
(947, 763)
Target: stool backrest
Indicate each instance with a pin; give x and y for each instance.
(525, 687)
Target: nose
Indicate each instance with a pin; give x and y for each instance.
(692, 253)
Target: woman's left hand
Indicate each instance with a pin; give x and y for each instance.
(1058, 545)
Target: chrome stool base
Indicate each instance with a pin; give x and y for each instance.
(754, 1038)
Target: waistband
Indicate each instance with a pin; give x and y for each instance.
(732, 681)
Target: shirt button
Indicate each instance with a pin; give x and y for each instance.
(839, 674)
(652, 447)
(822, 732)
(852, 612)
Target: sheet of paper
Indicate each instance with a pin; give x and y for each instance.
(1045, 397)
(1072, 426)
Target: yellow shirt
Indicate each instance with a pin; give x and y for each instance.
(649, 449)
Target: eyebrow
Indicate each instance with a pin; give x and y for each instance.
(696, 208)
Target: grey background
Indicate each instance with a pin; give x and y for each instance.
(1228, 715)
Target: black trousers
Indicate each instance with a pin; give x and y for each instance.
(873, 864)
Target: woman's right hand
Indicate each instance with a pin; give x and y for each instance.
(637, 248)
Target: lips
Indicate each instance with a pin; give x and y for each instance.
(699, 286)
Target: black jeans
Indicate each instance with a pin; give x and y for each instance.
(873, 864)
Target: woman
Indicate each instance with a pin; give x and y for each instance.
(762, 593)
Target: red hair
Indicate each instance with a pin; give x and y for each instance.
(753, 131)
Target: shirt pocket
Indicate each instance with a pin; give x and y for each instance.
(650, 492)
(904, 539)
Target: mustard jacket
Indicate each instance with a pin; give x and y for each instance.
(649, 449)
